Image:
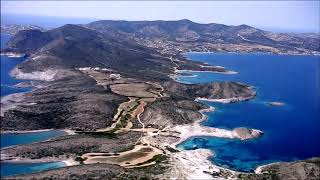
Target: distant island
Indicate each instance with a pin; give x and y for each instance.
(172, 37)
(14, 28)
(111, 84)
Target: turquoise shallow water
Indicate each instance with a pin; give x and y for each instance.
(291, 131)
(7, 64)
(8, 169)
(25, 138)
(7, 87)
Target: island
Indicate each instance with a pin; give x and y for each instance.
(275, 103)
(113, 90)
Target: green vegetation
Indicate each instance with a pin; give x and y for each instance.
(106, 134)
(157, 158)
(124, 118)
(127, 116)
(122, 123)
(171, 149)
(127, 148)
(80, 159)
(135, 106)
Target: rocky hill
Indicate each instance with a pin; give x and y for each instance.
(14, 28)
(188, 35)
(110, 82)
(142, 49)
(73, 46)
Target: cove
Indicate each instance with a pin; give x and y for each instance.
(291, 131)
(7, 64)
(9, 139)
(10, 169)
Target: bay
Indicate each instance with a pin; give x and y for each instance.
(291, 131)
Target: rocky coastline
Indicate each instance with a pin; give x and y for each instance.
(117, 113)
(13, 55)
(18, 153)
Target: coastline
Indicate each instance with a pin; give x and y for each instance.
(11, 101)
(62, 163)
(176, 74)
(67, 131)
(254, 52)
(70, 162)
(226, 100)
(15, 159)
(259, 169)
(196, 129)
(13, 55)
(47, 75)
(217, 72)
(187, 131)
(195, 164)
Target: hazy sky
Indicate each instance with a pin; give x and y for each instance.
(295, 16)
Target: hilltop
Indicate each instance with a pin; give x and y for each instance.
(112, 84)
(184, 35)
(14, 28)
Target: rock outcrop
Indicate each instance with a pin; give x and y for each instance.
(246, 133)
(297, 170)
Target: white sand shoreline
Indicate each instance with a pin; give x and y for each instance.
(194, 163)
(47, 75)
(11, 101)
(225, 101)
(67, 131)
(16, 160)
(196, 129)
(70, 162)
(217, 72)
(266, 53)
(13, 55)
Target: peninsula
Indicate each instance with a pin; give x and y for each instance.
(110, 84)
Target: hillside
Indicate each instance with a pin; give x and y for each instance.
(184, 35)
(110, 83)
(73, 46)
(14, 28)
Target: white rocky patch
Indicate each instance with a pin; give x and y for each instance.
(226, 100)
(11, 101)
(14, 55)
(194, 164)
(47, 75)
(217, 72)
(94, 68)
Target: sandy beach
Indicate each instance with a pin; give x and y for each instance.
(67, 131)
(70, 162)
(11, 101)
(225, 101)
(191, 71)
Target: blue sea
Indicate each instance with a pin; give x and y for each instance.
(8, 169)
(42, 21)
(11, 139)
(291, 131)
(7, 64)
(7, 87)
